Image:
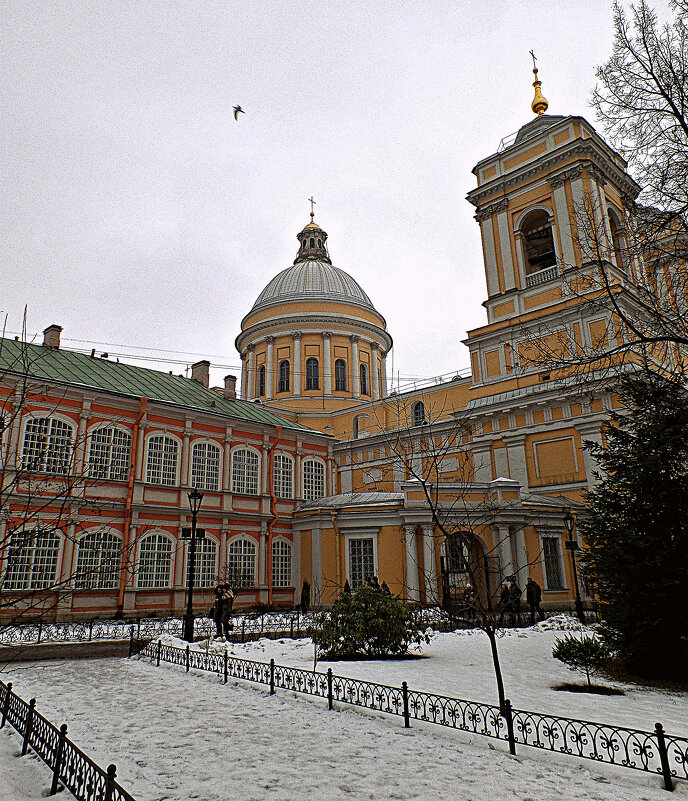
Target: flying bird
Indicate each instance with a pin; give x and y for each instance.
(238, 110)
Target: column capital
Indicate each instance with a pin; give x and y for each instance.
(250, 348)
(355, 338)
(296, 335)
(374, 346)
(269, 339)
(327, 334)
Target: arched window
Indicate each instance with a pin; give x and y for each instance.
(340, 375)
(418, 413)
(363, 370)
(261, 380)
(312, 374)
(618, 240)
(312, 242)
(241, 564)
(313, 479)
(205, 466)
(205, 567)
(161, 463)
(155, 562)
(281, 563)
(245, 471)
(47, 445)
(283, 376)
(98, 561)
(31, 560)
(283, 475)
(109, 453)
(538, 242)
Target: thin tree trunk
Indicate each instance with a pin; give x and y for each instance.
(497, 667)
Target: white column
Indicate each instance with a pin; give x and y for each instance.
(138, 465)
(521, 554)
(327, 362)
(412, 584)
(487, 234)
(385, 388)
(244, 371)
(431, 590)
(316, 567)
(226, 471)
(80, 445)
(373, 366)
(355, 375)
(296, 336)
(502, 548)
(270, 369)
(563, 221)
(592, 431)
(482, 463)
(251, 373)
(185, 479)
(518, 470)
(262, 556)
(329, 484)
(505, 245)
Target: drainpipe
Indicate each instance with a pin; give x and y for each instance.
(127, 506)
(338, 541)
(273, 508)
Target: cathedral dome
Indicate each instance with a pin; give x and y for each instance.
(312, 280)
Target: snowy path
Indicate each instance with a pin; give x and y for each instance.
(175, 737)
(21, 778)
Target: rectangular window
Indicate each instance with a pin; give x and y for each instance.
(205, 466)
(361, 561)
(108, 456)
(161, 466)
(554, 573)
(313, 480)
(281, 564)
(47, 446)
(283, 476)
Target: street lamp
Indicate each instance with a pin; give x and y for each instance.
(572, 545)
(195, 498)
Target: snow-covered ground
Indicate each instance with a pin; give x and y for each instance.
(178, 736)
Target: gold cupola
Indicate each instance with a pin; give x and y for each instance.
(539, 104)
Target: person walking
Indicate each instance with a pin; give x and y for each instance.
(533, 598)
(503, 604)
(385, 588)
(468, 602)
(217, 610)
(515, 593)
(227, 604)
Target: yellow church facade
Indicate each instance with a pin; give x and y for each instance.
(495, 458)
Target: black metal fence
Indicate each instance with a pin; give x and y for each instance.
(71, 768)
(654, 752)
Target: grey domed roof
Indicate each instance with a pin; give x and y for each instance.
(312, 280)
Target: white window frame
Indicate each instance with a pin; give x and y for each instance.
(251, 541)
(164, 435)
(203, 577)
(96, 429)
(278, 477)
(321, 462)
(244, 485)
(45, 461)
(155, 584)
(195, 479)
(97, 567)
(30, 580)
(359, 534)
(278, 576)
(562, 567)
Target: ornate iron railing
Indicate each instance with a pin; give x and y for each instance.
(654, 752)
(71, 768)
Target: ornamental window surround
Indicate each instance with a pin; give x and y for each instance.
(281, 564)
(155, 562)
(205, 568)
(312, 373)
(361, 559)
(340, 375)
(98, 561)
(418, 413)
(363, 372)
(261, 381)
(283, 383)
(161, 460)
(109, 453)
(241, 563)
(47, 445)
(205, 466)
(245, 471)
(283, 475)
(553, 563)
(537, 240)
(31, 561)
(313, 479)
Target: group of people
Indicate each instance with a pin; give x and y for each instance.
(510, 601)
(221, 611)
(373, 582)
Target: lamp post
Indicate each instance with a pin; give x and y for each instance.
(195, 498)
(572, 545)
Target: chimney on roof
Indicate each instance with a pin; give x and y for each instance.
(201, 372)
(51, 337)
(230, 387)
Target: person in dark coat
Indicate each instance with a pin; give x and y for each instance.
(515, 593)
(305, 597)
(468, 601)
(503, 604)
(533, 598)
(385, 588)
(217, 610)
(375, 583)
(227, 604)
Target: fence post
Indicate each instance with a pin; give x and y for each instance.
(58, 759)
(90, 630)
(404, 697)
(131, 642)
(29, 726)
(187, 658)
(40, 631)
(225, 665)
(159, 649)
(272, 677)
(330, 695)
(663, 757)
(6, 705)
(243, 630)
(262, 622)
(110, 782)
(291, 627)
(510, 727)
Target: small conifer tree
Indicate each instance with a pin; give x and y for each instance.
(586, 654)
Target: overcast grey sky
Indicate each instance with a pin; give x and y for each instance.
(138, 212)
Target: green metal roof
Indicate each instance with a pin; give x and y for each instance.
(78, 369)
